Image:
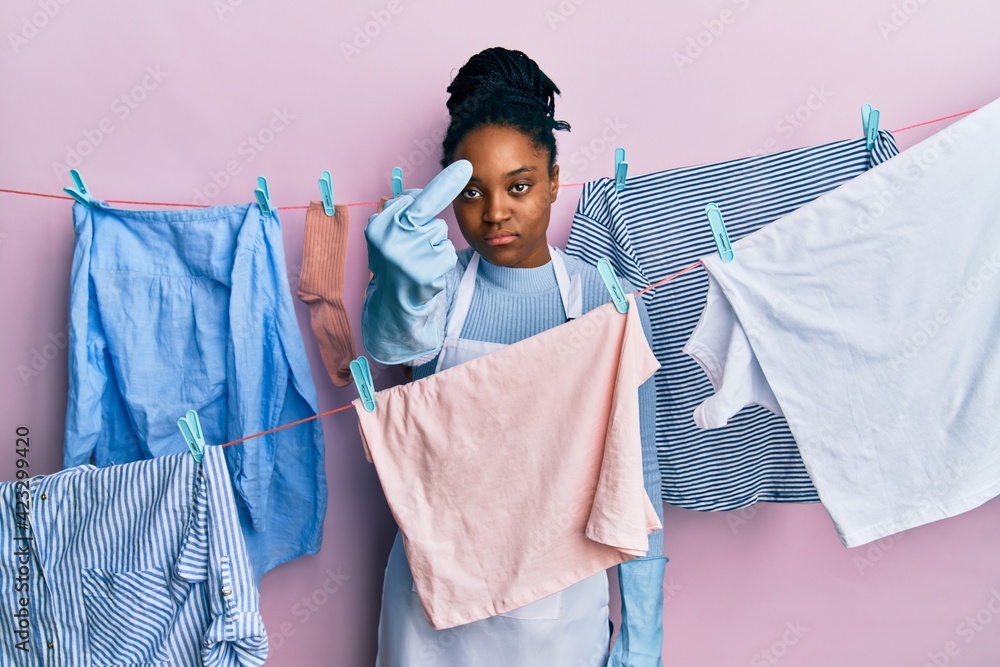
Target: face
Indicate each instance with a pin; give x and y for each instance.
(504, 211)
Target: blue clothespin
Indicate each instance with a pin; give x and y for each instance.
(263, 197)
(362, 375)
(611, 282)
(190, 427)
(869, 121)
(326, 190)
(621, 169)
(397, 182)
(719, 233)
(80, 193)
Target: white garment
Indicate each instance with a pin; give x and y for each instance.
(569, 627)
(870, 319)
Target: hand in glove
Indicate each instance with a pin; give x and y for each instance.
(409, 255)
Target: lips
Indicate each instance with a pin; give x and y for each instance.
(499, 238)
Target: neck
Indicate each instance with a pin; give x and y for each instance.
(519, 279)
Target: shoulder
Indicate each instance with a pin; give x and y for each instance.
(464, 257)
(454, 277)
(581, 270)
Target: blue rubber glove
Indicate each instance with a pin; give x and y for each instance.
(640, 640)
(409, 255)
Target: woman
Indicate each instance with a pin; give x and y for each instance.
(431, 308)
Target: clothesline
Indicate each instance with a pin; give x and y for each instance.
(375, 203)
(686, 269)
(327, 413)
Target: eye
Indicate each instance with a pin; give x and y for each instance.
(471, 193)
(520, 188)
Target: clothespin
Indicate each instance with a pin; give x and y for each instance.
(263, 197)
(719, 233)
(621, 169)
(326, 190)
(362, 375)
(611, 282)
(397, 182)
(869, 121)
(190, 427)
(80, 193)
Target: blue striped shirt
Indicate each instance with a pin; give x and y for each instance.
(135, 564)
(657, 226)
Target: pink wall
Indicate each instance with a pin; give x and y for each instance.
(161, 96)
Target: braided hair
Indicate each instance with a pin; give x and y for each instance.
(505, 88)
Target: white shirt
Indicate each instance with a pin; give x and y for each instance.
(870, 318)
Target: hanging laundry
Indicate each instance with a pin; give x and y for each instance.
(871, 315)
(533, 300)
(657, 226)
(321, 287)
(423, 311)
(519, 473)
(191, 310)
(141, 563)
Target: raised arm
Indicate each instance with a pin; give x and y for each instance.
(409, 255)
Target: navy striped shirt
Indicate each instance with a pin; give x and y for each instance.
(135, 564)
(657, 226)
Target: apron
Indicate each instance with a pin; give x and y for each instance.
(566, 628)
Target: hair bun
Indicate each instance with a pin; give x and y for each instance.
(505, 88)
(509, 73)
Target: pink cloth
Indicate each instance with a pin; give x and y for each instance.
(518, 474)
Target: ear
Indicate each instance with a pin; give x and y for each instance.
(554, 184)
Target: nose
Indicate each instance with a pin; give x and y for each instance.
(496, 210)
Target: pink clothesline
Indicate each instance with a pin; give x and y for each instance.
(371, 203)
(287, 208)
